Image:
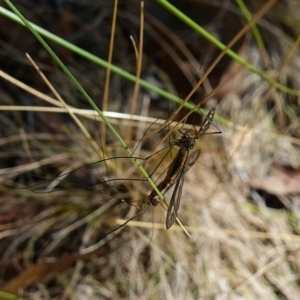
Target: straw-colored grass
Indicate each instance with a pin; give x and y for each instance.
(239, 247)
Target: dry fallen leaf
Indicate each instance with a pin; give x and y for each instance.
(282, 180)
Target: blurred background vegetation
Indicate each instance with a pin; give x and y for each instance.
(240, 200)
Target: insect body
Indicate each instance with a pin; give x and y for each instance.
(177, 169)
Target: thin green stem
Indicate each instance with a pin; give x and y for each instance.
(196, 27)
(85, 94)
(104, 64)
(254, 28)
(95, 59)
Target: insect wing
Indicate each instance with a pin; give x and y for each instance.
(193, 157)
(176, 196)
(175, 201)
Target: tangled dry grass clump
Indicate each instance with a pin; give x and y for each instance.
(240, 203)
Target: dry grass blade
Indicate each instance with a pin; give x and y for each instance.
(105, 242)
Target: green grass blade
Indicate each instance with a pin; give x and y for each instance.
(197, 28)
(104, 64)
(86, 96)
(254, 28)
(96, 60)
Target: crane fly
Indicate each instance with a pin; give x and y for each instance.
(177, 169)
(181, 163)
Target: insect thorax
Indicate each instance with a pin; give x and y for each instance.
(186, 142)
